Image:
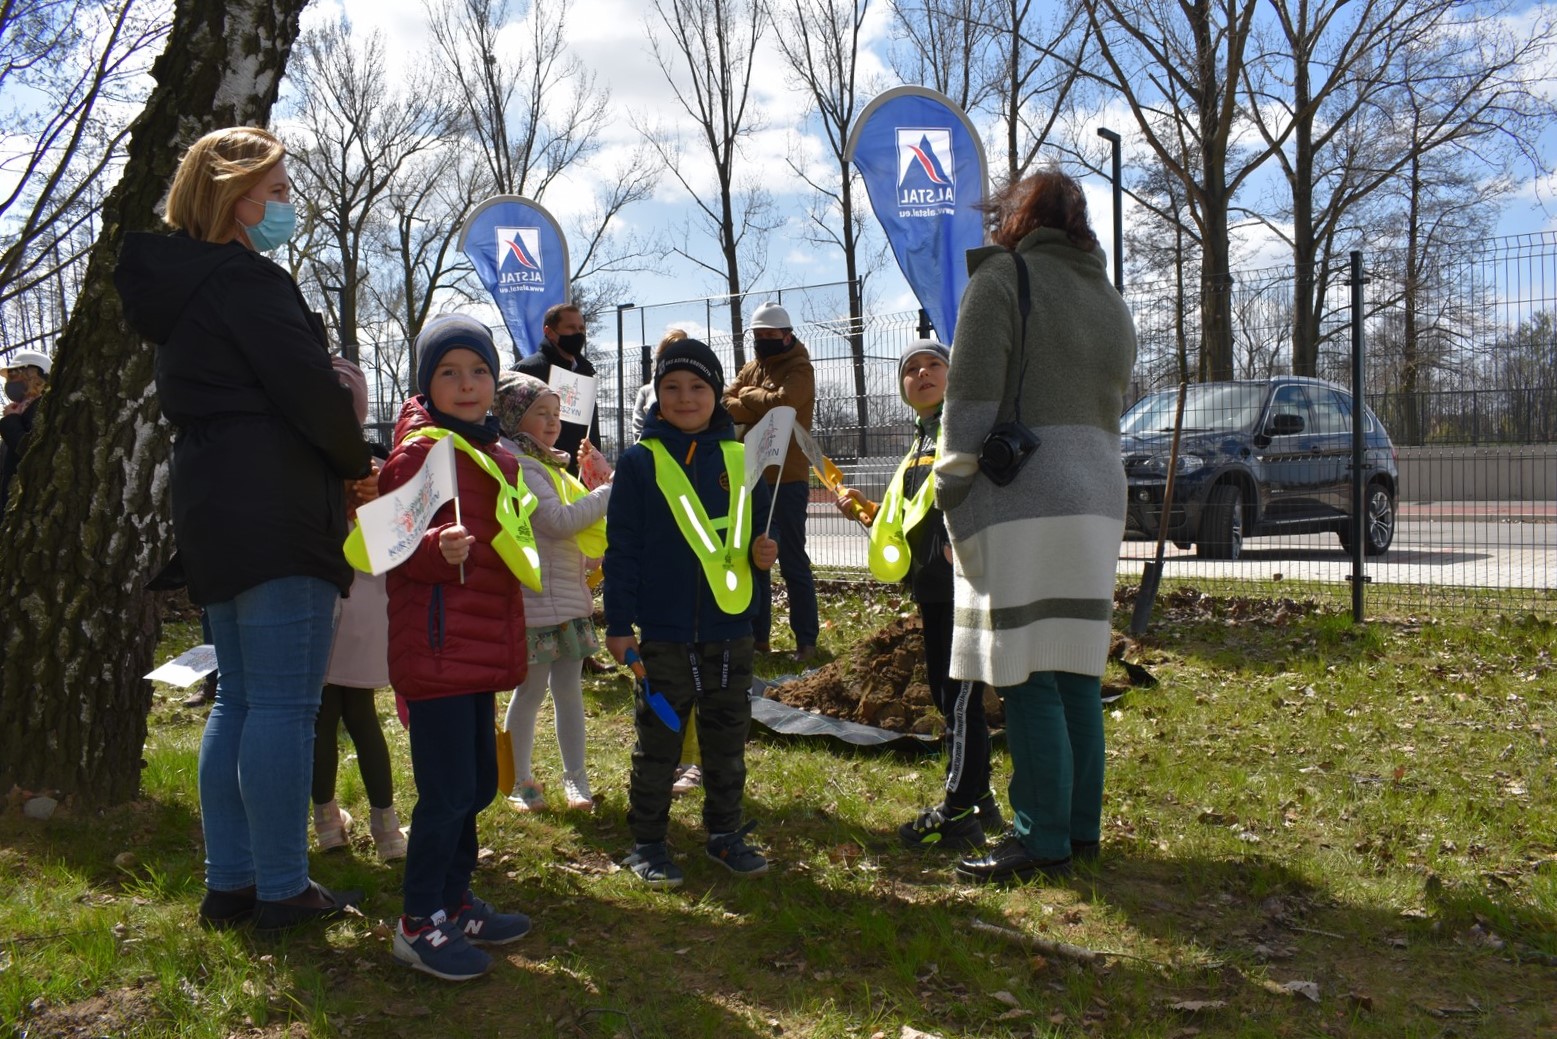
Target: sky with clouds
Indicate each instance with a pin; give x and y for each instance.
(611, 38)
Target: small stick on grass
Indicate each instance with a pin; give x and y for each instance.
(1043, 945)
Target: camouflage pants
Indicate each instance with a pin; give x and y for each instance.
(723, 671)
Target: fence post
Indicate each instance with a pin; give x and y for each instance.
(1359, 437)
(621, 378)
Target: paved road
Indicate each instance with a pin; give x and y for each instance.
(1471, 544)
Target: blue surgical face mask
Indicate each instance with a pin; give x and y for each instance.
(274, 228)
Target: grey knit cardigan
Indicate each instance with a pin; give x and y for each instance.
(1035, 561)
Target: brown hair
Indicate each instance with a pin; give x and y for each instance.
(1048, 198)
(675, 335)
(555, 311)
(214, 173)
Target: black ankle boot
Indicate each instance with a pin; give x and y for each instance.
(1011, 863)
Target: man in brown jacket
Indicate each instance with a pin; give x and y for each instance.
(780, 374)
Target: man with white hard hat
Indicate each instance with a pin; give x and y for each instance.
(781, 374)
(26, 375)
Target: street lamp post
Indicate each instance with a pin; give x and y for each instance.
(1112, 138)
(621, 381)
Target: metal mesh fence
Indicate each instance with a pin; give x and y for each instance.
(1470, 482)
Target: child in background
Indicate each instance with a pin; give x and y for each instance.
(456, 635)
(908, 542)
(681, 572)
(359, 665)
(569, 524)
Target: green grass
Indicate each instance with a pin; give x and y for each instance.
(1300, 800)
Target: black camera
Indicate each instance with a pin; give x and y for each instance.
(1006, 449)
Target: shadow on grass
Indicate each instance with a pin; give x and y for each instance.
(1251, 925)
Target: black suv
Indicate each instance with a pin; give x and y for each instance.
(1256, 458)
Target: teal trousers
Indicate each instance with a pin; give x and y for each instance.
(1054, 728)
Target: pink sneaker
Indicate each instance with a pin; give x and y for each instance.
(688, 779)
(528, 796)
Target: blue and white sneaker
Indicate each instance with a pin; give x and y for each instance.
(438, 947)
(482, 924)
(651, 864)
(732, 852)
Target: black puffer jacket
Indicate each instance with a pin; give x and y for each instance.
(266, 432)
(539, 364)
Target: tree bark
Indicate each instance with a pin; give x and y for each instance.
(89, 519)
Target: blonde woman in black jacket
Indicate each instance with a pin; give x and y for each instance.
(265, 443)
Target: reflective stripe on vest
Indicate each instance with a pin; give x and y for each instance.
(725, 564)
(515, 540)
(889, 552)
(591, 540)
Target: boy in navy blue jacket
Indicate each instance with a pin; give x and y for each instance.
(678, 565)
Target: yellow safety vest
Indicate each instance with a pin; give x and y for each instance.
(592, 539)
(889, 552)
(725, 565)
(515, 541)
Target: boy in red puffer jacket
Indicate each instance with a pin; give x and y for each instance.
(456, 635)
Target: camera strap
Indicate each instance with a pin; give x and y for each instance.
(1024, 302)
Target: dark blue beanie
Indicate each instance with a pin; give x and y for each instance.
(451, 332)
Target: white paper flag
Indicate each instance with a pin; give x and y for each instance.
(187, 668)
(577, 393)
(394, 523)
(767, 442)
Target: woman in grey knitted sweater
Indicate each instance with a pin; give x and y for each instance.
(1036, 557)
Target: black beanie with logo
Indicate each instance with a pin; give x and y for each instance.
(692, 356)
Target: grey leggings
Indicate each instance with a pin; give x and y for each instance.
(566, 678)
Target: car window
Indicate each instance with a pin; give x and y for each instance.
(1150, 414)
(1289, 400)
(1370, 422)
(1331, 414)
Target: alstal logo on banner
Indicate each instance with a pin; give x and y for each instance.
(926, 186)
(519, 259)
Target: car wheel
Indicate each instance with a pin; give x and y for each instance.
(1221, 524)
(1378, 522)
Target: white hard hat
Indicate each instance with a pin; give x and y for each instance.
(771, 315)
(22, 358)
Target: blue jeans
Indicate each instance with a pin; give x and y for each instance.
(1054, 728)
(454, 760)
(789, 530)
(256, 757)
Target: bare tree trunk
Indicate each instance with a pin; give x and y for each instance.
(88, 523)
(1410, 353)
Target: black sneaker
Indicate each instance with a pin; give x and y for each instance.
(942, 827)
(732, 852)
(989, 812)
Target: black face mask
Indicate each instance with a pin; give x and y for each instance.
(572, 344)
(16, 389)
(770, 347)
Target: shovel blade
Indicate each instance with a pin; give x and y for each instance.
(1151, 577)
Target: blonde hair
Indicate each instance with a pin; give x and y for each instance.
(675, 335)
(214, 173)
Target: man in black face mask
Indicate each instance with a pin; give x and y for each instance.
(780, 374)
(563, 346)
(26, 374)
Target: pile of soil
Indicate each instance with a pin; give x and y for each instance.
(881, 682)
